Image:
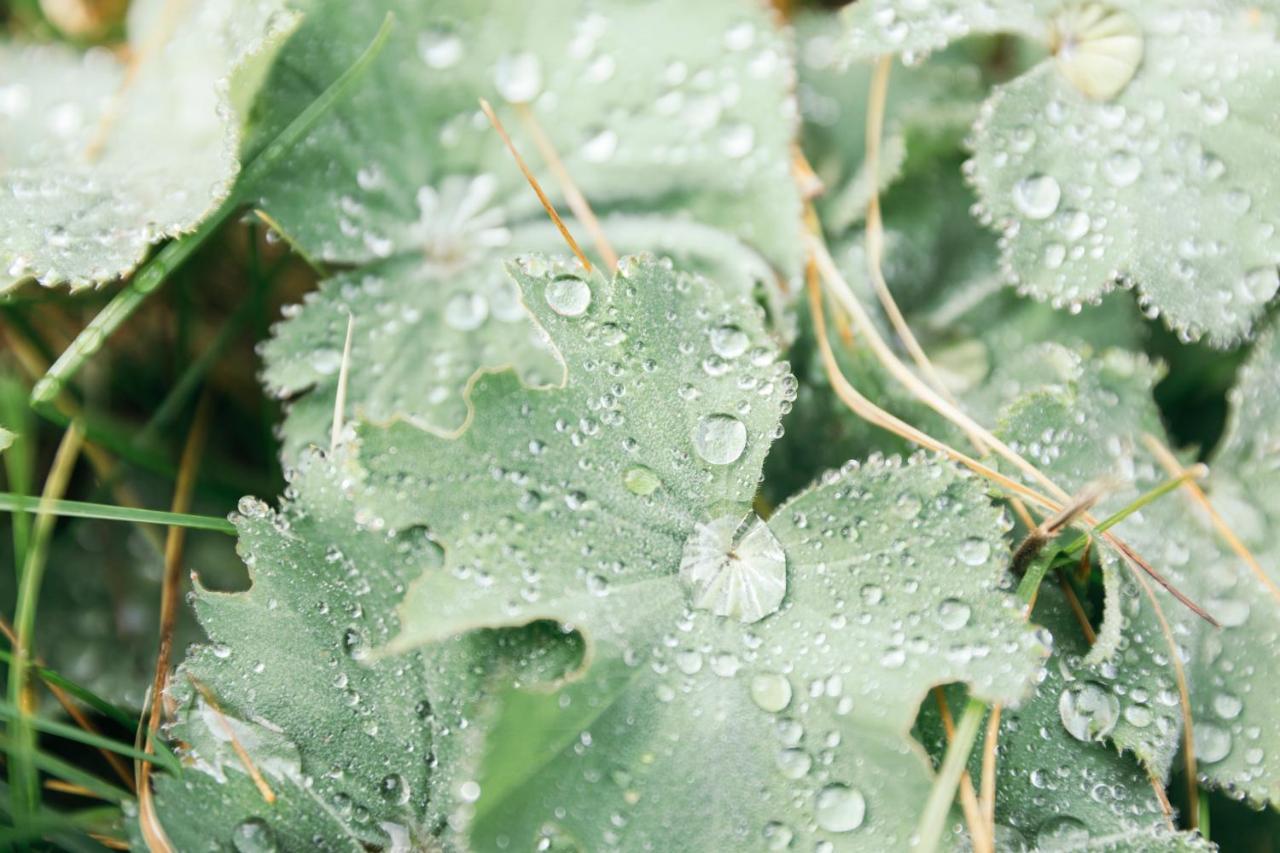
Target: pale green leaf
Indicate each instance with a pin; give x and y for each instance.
(1127, 157)
(1054, 791)
(1236, 670)
(585, 506)
(558, 618)
(102, 158)
(408, 179)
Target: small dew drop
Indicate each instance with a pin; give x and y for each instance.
(771, 691)
(1037, 196)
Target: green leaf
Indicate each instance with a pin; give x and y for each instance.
(1128, 157)
(1235, 670)
(927, 111)
(1053, 790)
(1086, 424)
(81, 206)
(558, 616)
(413, 186)
(579, 506)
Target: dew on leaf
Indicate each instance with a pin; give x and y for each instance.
(1097, 48)
(771, 691)
(729, 341)
(440, 48)
(1037, 196)
(720, 439)
(518, 77)
(639, 480)
(840, 808)
(744, 579)
(1089, 711)
(466, 311)
(1062, 833)
(953, 614)
(1212, 742)
(254, 836)
(568, 296)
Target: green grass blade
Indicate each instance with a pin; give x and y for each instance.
(68, 773)
(107, 512)
(48, 822)
(84, 694)
(156, 271)
(79, 735)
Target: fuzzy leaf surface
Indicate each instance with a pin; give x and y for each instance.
(102, 158)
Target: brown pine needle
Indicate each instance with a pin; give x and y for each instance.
(1184, 700)
(1077, 609)
(109, 842)
(340, 399)
(533, 182)
(263, 788)
(169, 596)
(874, 234)
(1170, 463)
(982, 842)
(572, 195)
(877, 416)
(71, 788)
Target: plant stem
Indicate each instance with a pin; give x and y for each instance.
(24, 785)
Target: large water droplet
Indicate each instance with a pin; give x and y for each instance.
(1062, 833)
(254, 836)
(568, 296)
(1213, 742)
(840, 808)
(974, 551)
(745, 580)
(1089, 711)
(720, 439)
(1037, 196)
(440, 48)
(639, 480)
(771, 691)
(953, 614)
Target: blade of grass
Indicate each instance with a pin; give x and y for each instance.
(84, 694)
(157, 270)
(107, 512)
(19, 457)
(121, 769)
(49, 822)
(23, 781)
(63, 770)
(62, 730)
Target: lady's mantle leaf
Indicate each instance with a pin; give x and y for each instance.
(1145, 179)
(408, 180)
(99, 158)
(619, 506)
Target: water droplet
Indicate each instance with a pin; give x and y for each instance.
(794, 763)
(738, 140)
(1062, 833)
(953, 614)
(771, 691)
(518, 77)
(568, 296)
(639, 480)
(1089, 711)
(394, 789)
(326, 361)
(720, 439)
(466, 311)
(1213, 742)
(600, 147)
(777, 836)
(974, 551)
(1121, 168)
(729, 341)
(745, 580)
(1037, 196)
(840, 808)
(1226, 706)
(440, 48)
(254, 836)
